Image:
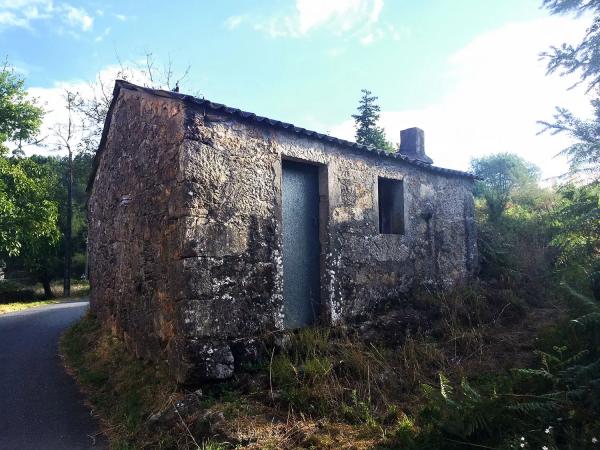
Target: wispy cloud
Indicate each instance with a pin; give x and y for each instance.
(9, 19)
(104, 34)
(121, 17)
(233, 22)
(77, 17)
(359, 18)
(52, 100)
(25, 13)
(499, 92)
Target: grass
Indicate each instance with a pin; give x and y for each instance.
(321, 388)
(79, 288)
(122, 389)
(18, 306)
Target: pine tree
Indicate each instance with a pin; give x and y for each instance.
(367, 131)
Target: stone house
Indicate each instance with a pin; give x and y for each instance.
(209, 226)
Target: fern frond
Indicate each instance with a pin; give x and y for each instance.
(583, 300)
(543, 373)
(445, 387)
(469, 392)
(534, 407)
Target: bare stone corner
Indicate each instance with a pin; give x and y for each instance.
(187, 228)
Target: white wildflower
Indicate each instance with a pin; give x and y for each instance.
(522, 445)
(522, 438)
(594, 440)
(544, 448)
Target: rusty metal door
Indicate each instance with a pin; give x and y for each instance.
(301, 248)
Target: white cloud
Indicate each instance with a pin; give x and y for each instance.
(233, 22)
(121, 17)
(52, 99)
(77, 17)
(9, 19)
(24, 13)
(399, 33)
(20, 13)
(372, 37)
(336, 51)
(340, 17)
(500, 91)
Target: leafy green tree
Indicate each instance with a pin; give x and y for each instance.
(502, 175)
(28, 207)
(367, 131)
(576, 220)
(28, 215)
(20, 117)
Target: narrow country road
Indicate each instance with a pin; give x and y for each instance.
(41, 407)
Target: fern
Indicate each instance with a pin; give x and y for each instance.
(445, 387)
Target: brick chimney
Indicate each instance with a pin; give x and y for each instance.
(412, 145)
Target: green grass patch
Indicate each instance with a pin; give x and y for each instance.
(123, 390)
(18, 306)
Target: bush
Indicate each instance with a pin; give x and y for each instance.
(11, 291)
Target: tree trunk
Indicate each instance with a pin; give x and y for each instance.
(48, 294)
(67, 274)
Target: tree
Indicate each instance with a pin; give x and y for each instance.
(582, 59)
(584, 154)
(367, 131)
(92, 105)
(65, 137)
(577, 215)
(28, 215)
(576, 219)
(20, 117)
(25, 212)
(502, 175)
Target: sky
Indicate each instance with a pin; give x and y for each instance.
(466, 71)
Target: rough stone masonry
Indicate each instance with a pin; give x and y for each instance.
(186, 227)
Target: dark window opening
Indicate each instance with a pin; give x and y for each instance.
(391, 206)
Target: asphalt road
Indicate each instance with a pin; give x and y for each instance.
(40, 404)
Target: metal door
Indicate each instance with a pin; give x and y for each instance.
(301, 248)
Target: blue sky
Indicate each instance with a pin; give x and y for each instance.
(464, 70)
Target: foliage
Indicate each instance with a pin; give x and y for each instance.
(576, 220)
(367, 131)
(554, 405)
(28, 212)
(43, 258)
(584, 57)
(20, 117)
(584, 154)
(502, 176)
(106, 370)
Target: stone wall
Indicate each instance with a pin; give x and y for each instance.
(134, 222)
(185, 231)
